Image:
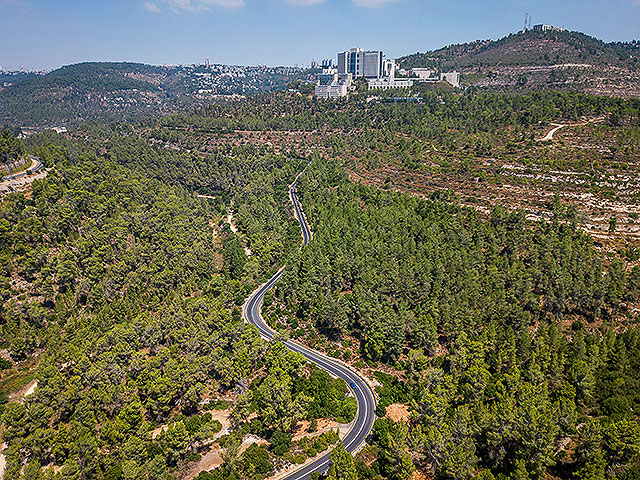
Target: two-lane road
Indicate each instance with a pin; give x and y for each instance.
(304, 226)
(362, 424)
(36, 166)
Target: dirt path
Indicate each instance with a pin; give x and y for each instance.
(232, 225)
(3, 462)
(234, 229)
(212, 458)
(31, 389)
(25, 391)
(557, 126)
(209, 461)
(549, 136)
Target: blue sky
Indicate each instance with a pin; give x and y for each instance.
(51, 33)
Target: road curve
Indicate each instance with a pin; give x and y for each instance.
(549, 136)
(304, 225)
(362, 424)
(35, 166)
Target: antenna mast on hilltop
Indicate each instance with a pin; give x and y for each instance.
(525, 22)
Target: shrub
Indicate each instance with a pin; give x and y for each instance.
(320, 445)
(313, 425)
(331, 436)
(216, 405)
(258, 457)
(280, 443)
(215, 426)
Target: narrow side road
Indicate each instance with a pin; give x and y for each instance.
(557, 126)
(21, 181)
(35, 166)
(363, 423)
(549, 136)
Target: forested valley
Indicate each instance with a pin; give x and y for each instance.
(510, 343)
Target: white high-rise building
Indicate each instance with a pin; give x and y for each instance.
(372, 64)
(361, 63)
(389, 68)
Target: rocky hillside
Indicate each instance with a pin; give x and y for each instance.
(554, 59)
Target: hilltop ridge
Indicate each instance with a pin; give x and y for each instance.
(113, 91)
(535, 59)
(77, 92)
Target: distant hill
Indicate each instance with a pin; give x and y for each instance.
(125, 91)
(552, 59)
(7, 78)
(87, 90)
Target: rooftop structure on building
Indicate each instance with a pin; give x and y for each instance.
(543, 27)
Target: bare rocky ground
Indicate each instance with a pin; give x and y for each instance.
(21, 184)
(213, 458)
(3, 462)
(611, 80)
(25, 391)
(596, 212)
(398, 412)
(576, 165)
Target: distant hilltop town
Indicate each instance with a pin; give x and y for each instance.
(376, 69)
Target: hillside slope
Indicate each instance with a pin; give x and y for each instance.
(127, 91)
(556, 59)
(77, 92)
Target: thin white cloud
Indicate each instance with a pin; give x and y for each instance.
(224, 3)
(373, 3)
(151, 7)
(178, 6)
(21, 3)
(308, 2)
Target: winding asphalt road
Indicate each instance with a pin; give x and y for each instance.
(361, 426)
(36, 165)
